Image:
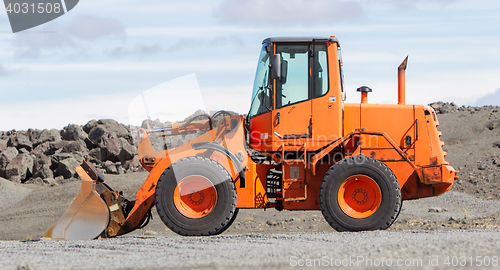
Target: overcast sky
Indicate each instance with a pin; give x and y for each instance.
(93, 61)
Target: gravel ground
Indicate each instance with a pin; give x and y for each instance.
(27, 215)
(365, 250)
(11, 193)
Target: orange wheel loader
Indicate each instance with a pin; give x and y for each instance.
(300, 147)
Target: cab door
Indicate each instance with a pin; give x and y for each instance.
(292, 110)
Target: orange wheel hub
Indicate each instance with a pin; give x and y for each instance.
(359, 196)
(195, 196)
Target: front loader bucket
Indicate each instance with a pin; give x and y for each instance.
(86, 217)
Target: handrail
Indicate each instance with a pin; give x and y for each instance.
(325, 151)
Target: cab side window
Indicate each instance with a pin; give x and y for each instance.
(304, 73)
(320, 70)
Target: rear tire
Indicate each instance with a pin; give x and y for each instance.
(360, 193)
(196, 196)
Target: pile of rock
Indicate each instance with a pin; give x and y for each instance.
(444, 107)
(45, 155)
(450, 107)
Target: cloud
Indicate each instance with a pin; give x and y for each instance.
(3, 71)
(181, 44)
(138, 50)
(285, 12)
(226, 40)
(410, 4)
(489, 99)
(309, 12)
(4, 20)
(93, 28)
(54, 36)
(30, 44)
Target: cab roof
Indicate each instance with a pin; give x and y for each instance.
(299, 39)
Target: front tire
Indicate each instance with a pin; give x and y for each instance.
(196, 196)
(360, 193)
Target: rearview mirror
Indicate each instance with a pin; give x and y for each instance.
(284, 71)
(276, 66)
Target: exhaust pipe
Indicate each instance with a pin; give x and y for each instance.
(401, 81)
(364, 93)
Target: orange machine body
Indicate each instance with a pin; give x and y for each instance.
(299, 141)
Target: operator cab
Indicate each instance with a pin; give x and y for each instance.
(296, 79)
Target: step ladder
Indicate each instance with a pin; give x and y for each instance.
(294, 173)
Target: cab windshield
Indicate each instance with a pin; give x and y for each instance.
(261, 102)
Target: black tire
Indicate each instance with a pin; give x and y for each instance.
(223, 212)
(390, 201)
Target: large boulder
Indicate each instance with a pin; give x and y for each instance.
(112, 126)
(3, 145)
(95, 155)
(128, 151)
(20, 168)
(50, 148)
(73, 133)
(41, 149)
(3, 164)
(5, 157)
(108, 142)
(97, 133)
(57, 147)
(66, 164)
(41, 168)
(111, 148)
(19, 141)
(76, 133)
(90, 125)
(75, 147)
(10, 153)
(46, 135)
(33, 134)
(133, 165)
